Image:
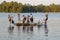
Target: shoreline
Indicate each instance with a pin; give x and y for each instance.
(34, 12)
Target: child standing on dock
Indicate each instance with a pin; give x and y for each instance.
(31, 18)
(24, 19)
(18, 17)
(46, 18)
(9, 17)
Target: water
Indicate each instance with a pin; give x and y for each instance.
(53, 27)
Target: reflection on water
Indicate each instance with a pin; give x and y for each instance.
(24, 28)
(18, 27)
(38, 27)
(26, 32)
(30, 35)
(10, 28)
(46, 31)
(28, 28)
(31, 28)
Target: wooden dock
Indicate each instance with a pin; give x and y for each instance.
(26, 24)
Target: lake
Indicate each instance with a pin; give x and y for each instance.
(53, 27)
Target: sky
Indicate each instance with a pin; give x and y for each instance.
(35, 2)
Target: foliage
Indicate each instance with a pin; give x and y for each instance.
(19, 7)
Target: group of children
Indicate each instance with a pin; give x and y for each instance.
(26, 19)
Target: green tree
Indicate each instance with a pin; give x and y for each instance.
(40, 8)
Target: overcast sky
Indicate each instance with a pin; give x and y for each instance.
(35, 2)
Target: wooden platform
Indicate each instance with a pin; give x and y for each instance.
(25, 24)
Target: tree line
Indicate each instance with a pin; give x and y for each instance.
(20, 8)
